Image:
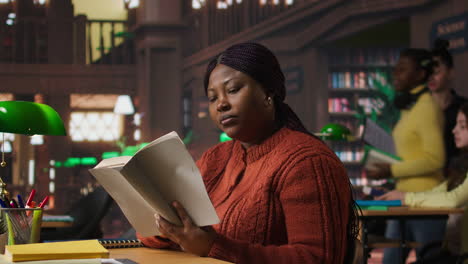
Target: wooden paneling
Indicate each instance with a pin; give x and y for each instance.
(67, 79)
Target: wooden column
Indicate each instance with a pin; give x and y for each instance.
(159, 55)
(60, 32)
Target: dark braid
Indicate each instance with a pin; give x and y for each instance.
(441, 50)
(261, 64)
(422, 59)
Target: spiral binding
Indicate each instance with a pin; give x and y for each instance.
(120, 243)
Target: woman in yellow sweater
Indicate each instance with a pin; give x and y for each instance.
(419, 142)
(451, 193)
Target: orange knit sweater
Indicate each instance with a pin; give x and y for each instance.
(284, 201)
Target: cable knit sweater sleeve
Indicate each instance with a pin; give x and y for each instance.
(312, 192)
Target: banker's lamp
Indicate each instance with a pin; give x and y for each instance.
(335, 132)
(28, 118)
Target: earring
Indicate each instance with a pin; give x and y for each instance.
(269, 100)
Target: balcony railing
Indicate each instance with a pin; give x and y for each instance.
(109, 42)
(26, 39)
(23, 40)
(211, 24)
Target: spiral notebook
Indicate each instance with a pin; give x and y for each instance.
(120, 243)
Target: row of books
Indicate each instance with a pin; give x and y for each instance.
(349, 153)
(364, 181)
(356, 79)
(343, 104)
(364, 56)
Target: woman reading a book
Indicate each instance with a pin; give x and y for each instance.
(451, 193)
(282, 195)
(418, 137)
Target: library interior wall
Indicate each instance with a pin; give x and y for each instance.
(408, 28)
(421, 23)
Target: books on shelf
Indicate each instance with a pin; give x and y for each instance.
(147, 183)
(80, 249)
(373, 155)
(352, 75)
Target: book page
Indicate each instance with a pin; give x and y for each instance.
(166, 168)
(377, 137)
(168, 136)
(139, 213)
(114, 162)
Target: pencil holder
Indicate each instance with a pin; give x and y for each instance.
(23, 225)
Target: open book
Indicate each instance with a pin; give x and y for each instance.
(147, 183)
(373, 155)
(377, 137)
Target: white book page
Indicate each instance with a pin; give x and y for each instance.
(113, 162)
(168, 168)
(139, 213)
(168, 136)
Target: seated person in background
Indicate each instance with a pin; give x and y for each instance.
(282, 195)
(419, 142)
(451, 193)
(448, 100)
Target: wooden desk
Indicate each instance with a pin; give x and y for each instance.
(149, 256)
(401, 214)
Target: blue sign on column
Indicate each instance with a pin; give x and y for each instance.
(454, 29)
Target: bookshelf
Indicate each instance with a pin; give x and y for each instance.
(351, 72)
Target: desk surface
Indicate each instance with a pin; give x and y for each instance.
(411, 211)
(147, 256)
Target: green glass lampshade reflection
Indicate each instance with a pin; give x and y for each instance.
(30, 118)
(335, 132)
(223, 137)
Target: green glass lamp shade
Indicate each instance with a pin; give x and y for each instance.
(334, 131)
(21, 117)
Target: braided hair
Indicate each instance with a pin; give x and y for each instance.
(261, 64)
(423, 61)
(258, 62)
(440, 50)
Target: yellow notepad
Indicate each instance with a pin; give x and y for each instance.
(80, 249)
